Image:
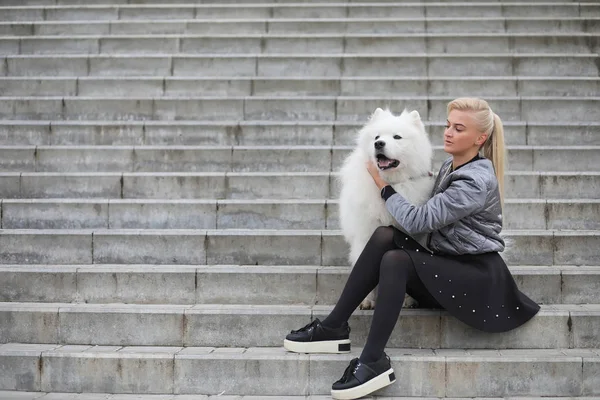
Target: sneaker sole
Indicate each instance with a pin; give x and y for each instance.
(379, 382)
(325, 346)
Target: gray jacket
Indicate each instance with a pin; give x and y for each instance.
(464, 214)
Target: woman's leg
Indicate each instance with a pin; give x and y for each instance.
(363, 278)
(372, 371)
(396, 274)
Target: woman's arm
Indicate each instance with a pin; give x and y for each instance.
(463, 197)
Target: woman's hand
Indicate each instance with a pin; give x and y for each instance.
(374, 172)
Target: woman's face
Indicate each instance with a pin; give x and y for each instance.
(461, 135)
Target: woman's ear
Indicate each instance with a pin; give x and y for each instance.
(481, 139)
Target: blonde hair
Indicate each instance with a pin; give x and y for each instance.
(489, 123)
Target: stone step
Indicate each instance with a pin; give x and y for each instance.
(285, 108)
(304, 25)
(310, 10)
(217, 325)
(260, 133)
(330, 43)
(255, 158)
(17, 395)
(255, 247)
(303, 86)
(315, 64)
(569, 214)
(273, 371)
(229, 284)
(253, 185)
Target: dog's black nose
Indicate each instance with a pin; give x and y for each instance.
(380, 144)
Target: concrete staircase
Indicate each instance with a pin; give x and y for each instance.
(169, 213)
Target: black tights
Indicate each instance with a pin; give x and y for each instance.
(381, 262)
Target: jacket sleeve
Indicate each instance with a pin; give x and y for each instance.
(464, 196)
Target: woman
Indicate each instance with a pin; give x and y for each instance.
(461, 271)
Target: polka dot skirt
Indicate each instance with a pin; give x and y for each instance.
(477, 289)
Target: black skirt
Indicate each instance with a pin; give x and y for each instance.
(477, 289)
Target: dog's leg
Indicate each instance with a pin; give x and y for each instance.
(369, 302)
(409, 302)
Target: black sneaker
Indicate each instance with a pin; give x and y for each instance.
(316, 338)
(363, 379)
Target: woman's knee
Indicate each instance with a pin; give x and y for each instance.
(383, 235)
(396, 262)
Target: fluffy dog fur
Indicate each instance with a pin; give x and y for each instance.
(403, 154)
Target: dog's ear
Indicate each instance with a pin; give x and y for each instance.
(416, 119)
(414, 114)
(376, 114)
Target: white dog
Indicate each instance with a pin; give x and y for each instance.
(402, 150)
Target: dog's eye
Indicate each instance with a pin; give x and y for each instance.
(376, 137)
(397, 137)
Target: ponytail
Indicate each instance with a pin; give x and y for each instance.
(494, 150)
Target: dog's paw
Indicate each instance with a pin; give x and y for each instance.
(367, 304)
(409, 302)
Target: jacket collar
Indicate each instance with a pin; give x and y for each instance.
(477, 157)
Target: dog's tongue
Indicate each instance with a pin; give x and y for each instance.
(383, 163)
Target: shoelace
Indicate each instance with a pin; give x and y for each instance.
(350, 370)
(306, 327)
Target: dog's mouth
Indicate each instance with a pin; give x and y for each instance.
(386, 163)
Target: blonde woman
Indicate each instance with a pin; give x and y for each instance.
(461, 271)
